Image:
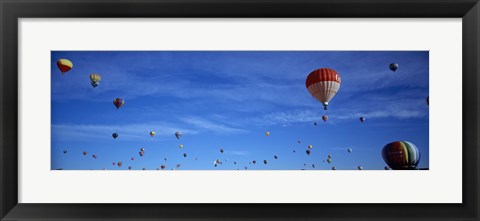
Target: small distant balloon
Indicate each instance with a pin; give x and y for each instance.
(329, 156)
(119, 164)
(308, 152)
(393, 66)
(84, 153)
(132, 158)
(64, 65)
(152, 133)
(362, 119)
(324, 118)
(184, 155)
(334, 168)
(314, 123)
(181, 146)
(309, 146)
(178, 134)
(265, 162)
(254, 162)
(114, 163)
(299, 141)
(94, 156)
(95, 79)
(114, 135)
(142, 149)
(129, 167)
(162, 166)
(221, 150)
(64, 151)
(276, 157)
(313, 165)
(349, 150)
(141, 153)
(165, 159)
(360, 168)
(329, 160)
(118, 102)
(267, 133)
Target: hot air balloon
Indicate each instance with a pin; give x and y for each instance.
(234, 162)
(84, 153)
(144, 168)
(314, 123)
(119, 164)
(254, 162)
(276, 157)
(265, 162)
(132, 158)
(165, 159)
(362, 119)
(393, 66)
(162, 166)
(179, 165)
(64, 65)
(114, 163)
(360, 168)
(184, 155)
(401, 155)
(299, 141)
(114, 135)
(178, 134)
(308, 152)
(334, 168)
(64, 151)
(94, 156)
(387, 168)
(129, 167)
(267, 133)
(152, 133)
(142, 149)
(221, 151)
(349, 150)
(426, 101)
(246, 168)
(181, 146)
(294, 151)
(329, 160)
(141, 153)
(118, 102)
(329, 156)
(323, 84)
(313, 165)
(324, 118)
(95, 79)
(309, 146)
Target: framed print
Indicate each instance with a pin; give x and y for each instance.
(239, 110)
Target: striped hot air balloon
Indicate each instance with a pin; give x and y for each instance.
(118, 102)
(323, 84)
(401, 155)
(64, 65)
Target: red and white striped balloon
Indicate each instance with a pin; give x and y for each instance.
(323, 84)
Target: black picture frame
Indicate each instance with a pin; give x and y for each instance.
(12, 10)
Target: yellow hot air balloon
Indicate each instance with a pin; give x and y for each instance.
(181, 146)
(95, 79)
(152, 133)
(64, 65)
(267, 133)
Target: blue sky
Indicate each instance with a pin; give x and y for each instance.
(229, 99)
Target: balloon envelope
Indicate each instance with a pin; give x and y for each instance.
(114, 135)
(323, 84)
(393, 66)
(118, 102)
(401, 155)
(64, 65)
(178, 134)
(324, 118)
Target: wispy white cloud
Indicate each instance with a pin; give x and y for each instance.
(211, 126)
(237, 152)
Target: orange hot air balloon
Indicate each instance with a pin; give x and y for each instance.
(323, 84)
(64, 65)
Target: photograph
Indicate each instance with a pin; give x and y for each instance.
(240, 110)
